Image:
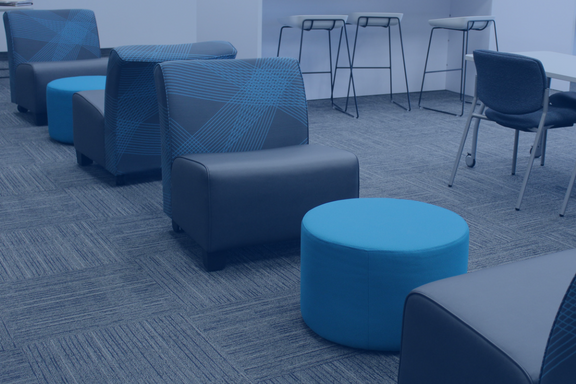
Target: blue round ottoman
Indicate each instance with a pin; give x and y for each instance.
(361, 257)
(59, 103)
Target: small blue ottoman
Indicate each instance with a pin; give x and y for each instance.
(361, 257)
(59, 103)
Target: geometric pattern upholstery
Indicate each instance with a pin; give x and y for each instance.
(49, 35)
(559, 364)
(228, 106)
(132, 131)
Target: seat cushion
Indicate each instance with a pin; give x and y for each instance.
(374, 19)
(489, 326)
(462, 23)
(229, 200)
(308, 22)
(555, 118)
(33, 77)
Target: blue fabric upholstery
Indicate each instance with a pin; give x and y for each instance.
(132, 131)
(361, 257)
(49, 35)
(228, 106)
(560, 357)
(509, 83)
(59, 94)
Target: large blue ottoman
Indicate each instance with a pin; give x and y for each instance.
(361, 257)
(59, 103)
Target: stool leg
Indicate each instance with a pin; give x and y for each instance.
(280, 40)
(425, 67)
(350, 79)
(404, 62)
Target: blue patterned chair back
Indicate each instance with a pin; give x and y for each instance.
(131, 107)
(559, 364)
(228, 106)
(509, 83)
(43, 35)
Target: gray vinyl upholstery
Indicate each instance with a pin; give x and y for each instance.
(490, 326)
(44, 45)
(237, 168)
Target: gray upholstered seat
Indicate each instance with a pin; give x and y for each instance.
(44, 45)
(118, 127)
(510, 324)
(237, 169)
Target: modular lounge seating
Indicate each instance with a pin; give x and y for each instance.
(510, 324)
(118, 127)
(237, 169)
(44, 45)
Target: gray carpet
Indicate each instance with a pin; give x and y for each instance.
(95, 287)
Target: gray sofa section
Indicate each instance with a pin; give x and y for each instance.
(490, 326)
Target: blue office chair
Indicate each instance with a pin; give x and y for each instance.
(513, 92)
(44, 45)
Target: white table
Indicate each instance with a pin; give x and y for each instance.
(561, 66)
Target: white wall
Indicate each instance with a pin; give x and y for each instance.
(536, 25)
(127, 22)
(238, 22)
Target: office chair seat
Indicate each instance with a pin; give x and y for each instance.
(555, 118)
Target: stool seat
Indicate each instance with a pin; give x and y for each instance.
(308, 22)
(374, 19)
(59, 94)
(361, 257)
(464, 23)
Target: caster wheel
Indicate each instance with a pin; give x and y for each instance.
(538, 153)
(22, 109)
(470, 162)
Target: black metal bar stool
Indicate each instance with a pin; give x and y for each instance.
(464, 24)
(327, 23)
(384, 20)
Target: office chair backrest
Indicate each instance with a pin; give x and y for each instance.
(228, 106)
(559, 364)
(509, 83)
(49, 35)
(131, 107)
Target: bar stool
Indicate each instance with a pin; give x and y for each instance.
(326, 23)
(463, 24)
(384, 20)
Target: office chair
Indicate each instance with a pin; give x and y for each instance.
(513, 92)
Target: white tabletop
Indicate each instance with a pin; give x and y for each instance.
(561, 66)
(22, 7)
